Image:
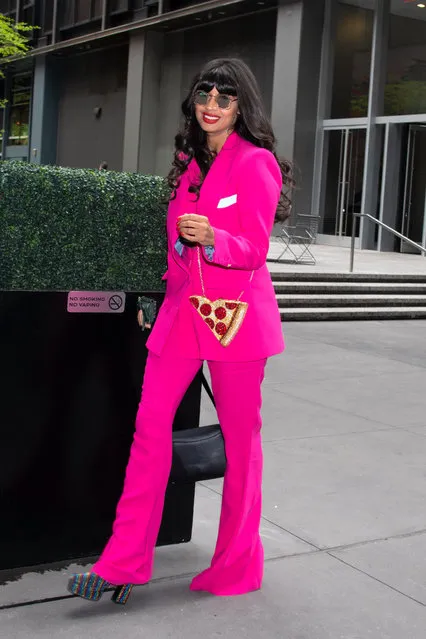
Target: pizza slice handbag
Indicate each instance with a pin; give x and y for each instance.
(223, 317)
(198, 453)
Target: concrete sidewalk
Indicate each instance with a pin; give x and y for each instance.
(344, 521)
(335, 259)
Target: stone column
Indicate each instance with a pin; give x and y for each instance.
(142, 102)
(296, 89)
(45, 107)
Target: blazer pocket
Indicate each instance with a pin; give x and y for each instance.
(227, 201)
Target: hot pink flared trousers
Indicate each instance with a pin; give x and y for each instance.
(237, 564)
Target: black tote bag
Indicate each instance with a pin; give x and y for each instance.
(198, 453)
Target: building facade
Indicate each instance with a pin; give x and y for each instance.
(343, 80)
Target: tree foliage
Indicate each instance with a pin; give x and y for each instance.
(14, 39)
(14, 42)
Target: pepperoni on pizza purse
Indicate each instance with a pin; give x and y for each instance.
(223, 317)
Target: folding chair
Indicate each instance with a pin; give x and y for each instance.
(299, 238)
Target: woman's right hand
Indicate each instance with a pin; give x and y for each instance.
(196, 228)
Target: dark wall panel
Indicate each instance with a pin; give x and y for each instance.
(93, 80)
(69, 390)
(251, 38)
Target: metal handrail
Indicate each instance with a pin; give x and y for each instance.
(387, 228)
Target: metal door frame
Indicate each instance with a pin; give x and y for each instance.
(413, 130)
(344, 177)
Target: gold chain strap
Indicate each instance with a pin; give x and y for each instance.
(200, 271)
(201, 275)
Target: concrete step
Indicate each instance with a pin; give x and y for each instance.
(405, 278)
(346, 296)
(353, 288)
(354, 314)
(347, 300)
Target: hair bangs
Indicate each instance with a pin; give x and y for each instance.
(219, 79)
(229, 76)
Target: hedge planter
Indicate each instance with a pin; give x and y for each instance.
(70, 381)
(62, 229)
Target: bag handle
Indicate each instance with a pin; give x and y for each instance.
(201, 276)
(207, 388)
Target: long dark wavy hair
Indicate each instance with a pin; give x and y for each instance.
(230, 76)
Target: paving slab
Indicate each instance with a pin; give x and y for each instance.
(396, 340)
(335, 259)
(345, 449)
(288, 417)
(309, 597)
(399, 563)
(311, 359)
(393, 399)
(171, 561)
(419, 430)
(334, 491)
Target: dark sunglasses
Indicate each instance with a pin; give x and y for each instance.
(222, 101)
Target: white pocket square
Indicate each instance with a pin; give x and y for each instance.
(227, 201)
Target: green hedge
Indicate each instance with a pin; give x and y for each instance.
(77, 229)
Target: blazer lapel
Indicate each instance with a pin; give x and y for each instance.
(211, 192)
(186, 204)
(217, 178)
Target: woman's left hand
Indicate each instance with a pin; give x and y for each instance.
(196, 228)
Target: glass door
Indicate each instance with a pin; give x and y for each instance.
(413, 222)
(343, 182)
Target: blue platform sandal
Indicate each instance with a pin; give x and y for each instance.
(90, 586)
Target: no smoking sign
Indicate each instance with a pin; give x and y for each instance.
(96, 302)
(116, 301)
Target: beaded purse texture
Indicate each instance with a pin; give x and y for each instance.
(223, 317)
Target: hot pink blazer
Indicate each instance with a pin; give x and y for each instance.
(239, 196)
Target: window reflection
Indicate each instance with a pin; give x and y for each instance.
(19, 110)
(405, 91)
(352, 59)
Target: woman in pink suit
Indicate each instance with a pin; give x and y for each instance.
(227, 186)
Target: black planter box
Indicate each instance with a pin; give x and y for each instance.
(69, 389)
